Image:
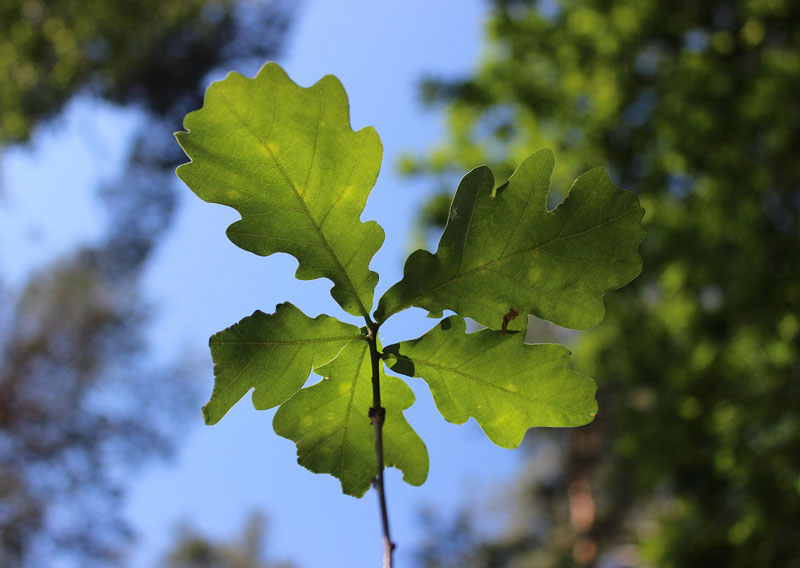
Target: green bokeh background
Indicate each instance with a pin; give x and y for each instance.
(694, 458)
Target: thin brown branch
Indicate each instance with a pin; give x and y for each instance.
(377, 415)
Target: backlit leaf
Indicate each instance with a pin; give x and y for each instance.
(287, 160)
(506, 385)
(330, 423)
(273, 354)
(503, 254)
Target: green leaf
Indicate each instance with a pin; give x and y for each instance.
(330, 423)
(273, 354)
(503, 254)
(287, 160)
(506, 385)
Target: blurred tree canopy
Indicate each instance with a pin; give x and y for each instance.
(77, 407)
(694, 458)
(193, 550)
(151, 52)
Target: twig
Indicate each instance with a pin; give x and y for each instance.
(377, 415)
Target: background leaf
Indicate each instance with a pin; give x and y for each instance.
(506, 385)
(286, 158)
(503, 253)
(273, 354)
(330, 423)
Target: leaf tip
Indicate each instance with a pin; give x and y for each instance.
(417, 479)
(270, 67)
(547, 154)
(207, 418)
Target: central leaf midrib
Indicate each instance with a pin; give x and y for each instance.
(299, 197)
(483, 382)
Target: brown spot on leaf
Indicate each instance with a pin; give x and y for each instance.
(535, 252)
(512, 313)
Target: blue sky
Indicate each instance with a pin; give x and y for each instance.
(201, 283)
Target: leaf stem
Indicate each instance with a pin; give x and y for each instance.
(377, 415)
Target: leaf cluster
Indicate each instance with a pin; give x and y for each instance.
(286, 158)
(694, 104)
